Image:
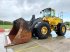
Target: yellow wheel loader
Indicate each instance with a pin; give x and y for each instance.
(41, 27)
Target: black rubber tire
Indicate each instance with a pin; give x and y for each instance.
(38, 30)
(59, 29)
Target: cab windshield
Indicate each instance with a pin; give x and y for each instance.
(45, 13)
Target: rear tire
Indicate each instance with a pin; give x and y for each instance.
(59, 30)
(39, 33)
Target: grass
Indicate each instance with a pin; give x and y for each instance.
(10, 26)
(6, 26)
(68, 26)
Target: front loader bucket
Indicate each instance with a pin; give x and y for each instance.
(20, 33)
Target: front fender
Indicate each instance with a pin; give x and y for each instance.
(35, 23)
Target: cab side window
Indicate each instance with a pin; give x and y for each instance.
(52, 13)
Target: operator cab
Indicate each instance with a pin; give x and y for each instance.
(47, 12)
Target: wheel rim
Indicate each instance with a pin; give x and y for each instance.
(44, 30)
(63, 29)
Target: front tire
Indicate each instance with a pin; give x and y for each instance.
(43, 30)
(61, 29)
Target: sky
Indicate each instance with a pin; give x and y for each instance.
(11, 10)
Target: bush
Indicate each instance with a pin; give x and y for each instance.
(5, 22)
